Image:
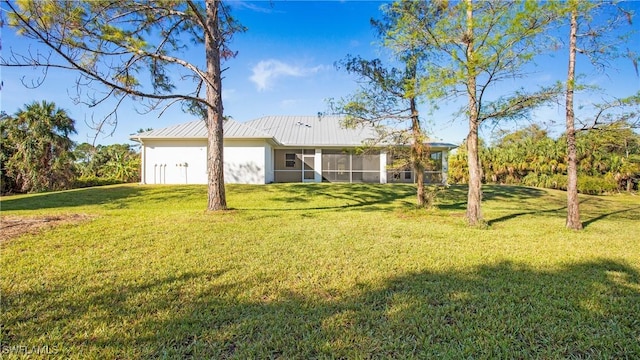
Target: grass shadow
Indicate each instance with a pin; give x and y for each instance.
(494, 311)
(455, 196)
(72, 198)
(628, 211)
(523, 213)
(502, 310)
(366, 197)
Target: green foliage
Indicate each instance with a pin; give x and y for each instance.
(388, 99)
(37, 154)
(608, 159)
(36, 146)
(91, 181)
(7, 183)
(321, 271)
(116, 44)
(594, 185)
(470, 47)
(544, 180)
(487, 48)
(117, 162)
(113, 45)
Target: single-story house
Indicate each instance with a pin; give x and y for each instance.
(276, 149)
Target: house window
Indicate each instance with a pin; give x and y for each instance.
(436, 161)
(290, 160)
(407, 174)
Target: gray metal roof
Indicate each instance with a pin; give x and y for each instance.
(444, 145)
(190, 130)
(299, 131)
(312, 131)
(197, 129)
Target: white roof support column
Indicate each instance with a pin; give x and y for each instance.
(317, 166)
(383, 166)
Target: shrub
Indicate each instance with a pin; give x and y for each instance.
(558, 181)
(545, 181)
(91, 181)
(595, 185)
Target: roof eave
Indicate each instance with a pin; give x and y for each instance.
(143, 138)
(167, 138)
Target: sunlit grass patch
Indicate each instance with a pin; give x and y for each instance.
(321, 271)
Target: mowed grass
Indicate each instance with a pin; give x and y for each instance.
(321, 271)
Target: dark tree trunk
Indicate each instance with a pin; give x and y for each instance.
(474, 196)
(418, 146)
(573, 205)
(418, 153)
(216, 191)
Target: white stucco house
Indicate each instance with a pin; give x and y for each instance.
(276, 149)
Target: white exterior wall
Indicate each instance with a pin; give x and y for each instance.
(174, 162)
(245, 161)
(185, 162)
(269, 164)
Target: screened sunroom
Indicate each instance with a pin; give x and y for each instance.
(433, 173)
(343, 165)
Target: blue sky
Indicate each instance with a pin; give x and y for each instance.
(285, 65)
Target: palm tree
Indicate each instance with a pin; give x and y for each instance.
(42, 158)
(123, 163)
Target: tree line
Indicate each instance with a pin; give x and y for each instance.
(445, 50)
(465, 51)
(38, 155)
(608, 159)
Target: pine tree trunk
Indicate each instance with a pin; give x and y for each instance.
(573, 205)
(418, 169)
(417, 148)
(474, 196)
(215, 145)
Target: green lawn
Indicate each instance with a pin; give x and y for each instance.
(321, 271)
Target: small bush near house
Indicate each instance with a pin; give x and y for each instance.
(90, 181)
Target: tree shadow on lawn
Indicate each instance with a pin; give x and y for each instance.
(115, 197)
(454, 197)
(628, 214)
(593, 208)
(503, 310)
(71, 198)
(325, 196)
(539, 212)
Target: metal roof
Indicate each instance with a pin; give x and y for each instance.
(197, 129)
(191, 129)
(299, 131)
(312, 131)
